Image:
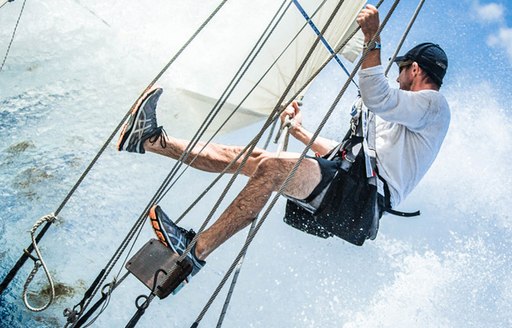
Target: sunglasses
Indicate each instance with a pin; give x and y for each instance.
(404, 64)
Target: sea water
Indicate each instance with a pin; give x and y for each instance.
(72, 74)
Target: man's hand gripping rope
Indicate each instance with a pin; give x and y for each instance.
(291, 117)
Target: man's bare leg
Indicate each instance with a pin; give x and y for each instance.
(269, 176)
(266, 173)
(213, 158)
(141, 133)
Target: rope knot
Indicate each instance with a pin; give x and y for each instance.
(38, 262)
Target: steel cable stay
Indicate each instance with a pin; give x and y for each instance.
(226, 91)
(13, 32)
(250, 147)
(57, 211)
(404, 35)
(333, 54)
(253, 143)
(232, 286)
(41, 234)
(4, 2)
(215, 110)
(27, 252)
(294, 97)
(253, 224)
(149, 299)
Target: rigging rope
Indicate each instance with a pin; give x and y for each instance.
(240, 263)
(23, 258)
(39, 262)
(291, 174)
(106, 293)
(3, 2)
(406, 32)
(250, 237)
(324, 41)
(234, 280)
(92, 12)
(13, 33)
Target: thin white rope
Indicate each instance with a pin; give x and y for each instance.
(283, 135)
(3, 2)
(13, 34)
(404, 36)
(39, 262)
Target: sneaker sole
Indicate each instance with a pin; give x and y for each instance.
(126, 132)
(158, 228)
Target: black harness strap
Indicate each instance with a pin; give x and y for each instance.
(387, 203)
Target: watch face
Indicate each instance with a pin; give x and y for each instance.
(372, 45)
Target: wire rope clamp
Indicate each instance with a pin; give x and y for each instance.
(159, 268)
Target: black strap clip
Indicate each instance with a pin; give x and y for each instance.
(387, 203)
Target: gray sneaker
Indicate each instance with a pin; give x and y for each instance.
(142, 123)
(174, 237)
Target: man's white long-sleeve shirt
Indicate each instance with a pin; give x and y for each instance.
(411, 126)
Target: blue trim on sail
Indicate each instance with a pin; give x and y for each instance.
(318, 33)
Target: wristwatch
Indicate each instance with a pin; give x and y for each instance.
(372, 45)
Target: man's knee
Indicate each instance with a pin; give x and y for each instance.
(271, 170)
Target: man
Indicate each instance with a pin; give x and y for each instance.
(415, 121)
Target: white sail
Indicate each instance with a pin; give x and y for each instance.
(197, 92)
(3, 2)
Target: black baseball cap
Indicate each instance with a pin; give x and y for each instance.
(430, 57)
